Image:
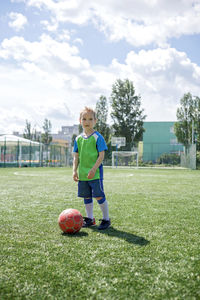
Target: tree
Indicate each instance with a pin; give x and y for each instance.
(46, 136)
(102, 115)
(36, 135)
(73, 139)
(197, 122)
(126, 112)
(188, 116)
(27, 131)
(31, 133)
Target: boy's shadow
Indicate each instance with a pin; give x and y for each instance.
(129, 237)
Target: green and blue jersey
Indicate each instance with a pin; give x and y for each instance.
(88, 149)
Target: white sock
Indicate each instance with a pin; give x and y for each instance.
(104, 209)
(89, 210)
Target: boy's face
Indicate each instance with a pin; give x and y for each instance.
(87, 121)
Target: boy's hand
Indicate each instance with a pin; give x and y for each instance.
(91, 174)
(75, 176)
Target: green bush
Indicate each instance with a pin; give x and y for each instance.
(169, 158)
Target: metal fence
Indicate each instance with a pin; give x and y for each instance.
(188, 157)
(150, 154)
(14, 154)
(33, 154)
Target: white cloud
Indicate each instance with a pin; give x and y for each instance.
(41, 52)
(64, 36)
(139, 22)
(161, 76)
(27, 95)
(143, 23)
(50, 26)
(18, 21)
(49, 75)
(50, 79)
(53, 81)
(78, 41)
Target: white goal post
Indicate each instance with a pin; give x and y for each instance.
(124, 159)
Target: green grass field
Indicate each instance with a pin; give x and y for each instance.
(152, 250)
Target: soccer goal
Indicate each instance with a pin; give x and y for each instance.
(124, 159)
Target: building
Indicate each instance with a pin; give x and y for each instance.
(159, 138)
(63, 137)
(66, 134)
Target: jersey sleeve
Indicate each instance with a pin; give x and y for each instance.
(101, 144)
(75, 146)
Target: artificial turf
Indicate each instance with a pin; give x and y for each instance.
(151, 251)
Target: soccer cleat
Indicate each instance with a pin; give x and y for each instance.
(87, 222)
(104, 224)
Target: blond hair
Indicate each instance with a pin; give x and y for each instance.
(87, 110)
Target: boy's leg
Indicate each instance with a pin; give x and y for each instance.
(103, 203)
(84, 191)
(89, 207)
(105, 222)
(89, 220)
(98, 193)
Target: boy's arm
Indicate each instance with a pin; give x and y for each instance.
(97, 164)
(75, 166)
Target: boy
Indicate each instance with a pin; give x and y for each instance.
(89, 148)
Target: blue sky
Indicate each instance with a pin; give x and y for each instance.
(57, 56)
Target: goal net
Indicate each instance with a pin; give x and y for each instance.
(124, 159)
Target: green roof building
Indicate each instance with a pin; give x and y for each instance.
(159, 138)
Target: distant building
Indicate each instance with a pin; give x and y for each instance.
(63, 137)
(16, 133)
(66, 134)
(159, 138)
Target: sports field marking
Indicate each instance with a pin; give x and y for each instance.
(30, 174)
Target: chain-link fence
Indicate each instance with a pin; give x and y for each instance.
(32, 154)
(188, 157)
(150, 154)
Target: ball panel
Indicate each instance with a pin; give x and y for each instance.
(77, 218)
(62, 227)
(69, 221)
(62, 218)
(77, 227)
(69, 230)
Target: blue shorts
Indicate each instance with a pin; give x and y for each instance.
(90, 189)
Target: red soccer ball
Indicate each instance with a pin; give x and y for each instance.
(70, 220)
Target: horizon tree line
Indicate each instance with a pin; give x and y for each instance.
(128, 118)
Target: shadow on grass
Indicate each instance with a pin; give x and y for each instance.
(129, 237)
(75, 235)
